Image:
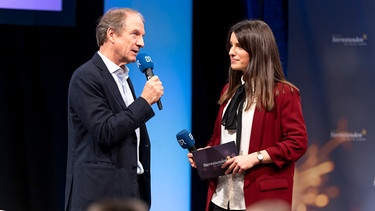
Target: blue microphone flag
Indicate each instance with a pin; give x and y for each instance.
(185, 139)
(144, 62)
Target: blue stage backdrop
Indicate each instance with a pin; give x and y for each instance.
(331, 59)
(168, 41)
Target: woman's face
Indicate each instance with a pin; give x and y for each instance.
(239, 58)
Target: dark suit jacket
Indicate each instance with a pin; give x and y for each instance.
(102, 144)
(282, 132)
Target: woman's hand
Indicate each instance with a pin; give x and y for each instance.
(239, 163)
(191, 158)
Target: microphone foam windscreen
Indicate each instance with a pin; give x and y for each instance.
(185, 139)
(144, 62)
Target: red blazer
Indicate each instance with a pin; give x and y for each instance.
(282, 132)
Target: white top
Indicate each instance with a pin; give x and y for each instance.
(229, 190)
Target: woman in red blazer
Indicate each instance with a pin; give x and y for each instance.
(261, 111)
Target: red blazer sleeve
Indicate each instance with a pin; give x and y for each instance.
(282, 132)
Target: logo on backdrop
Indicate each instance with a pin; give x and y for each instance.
(350, 41)
(350, 136)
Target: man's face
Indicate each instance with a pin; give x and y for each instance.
(131, 40)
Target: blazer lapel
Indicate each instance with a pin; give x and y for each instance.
(108, 79)
(131, 87)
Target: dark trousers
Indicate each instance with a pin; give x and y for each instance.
(214, 207)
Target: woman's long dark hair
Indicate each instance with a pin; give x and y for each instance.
(264, 70)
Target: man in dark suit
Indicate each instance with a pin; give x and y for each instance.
(108, 143)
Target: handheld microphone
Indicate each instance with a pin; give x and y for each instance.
(186, 140)
(145, 65)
